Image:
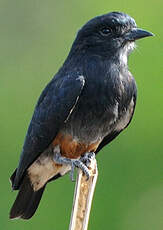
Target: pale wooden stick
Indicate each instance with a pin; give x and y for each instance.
(83, 194)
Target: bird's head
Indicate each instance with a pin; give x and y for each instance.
(110, 34)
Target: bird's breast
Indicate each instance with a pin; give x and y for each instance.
(125, 117)
(105, 105)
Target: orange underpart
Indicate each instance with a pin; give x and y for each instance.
(70, 148)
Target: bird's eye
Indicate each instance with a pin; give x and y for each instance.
(105, 31)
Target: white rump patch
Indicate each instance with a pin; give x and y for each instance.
(43, 169)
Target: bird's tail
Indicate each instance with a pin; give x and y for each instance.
(27, 200)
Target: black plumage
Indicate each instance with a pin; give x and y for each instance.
(85, 106)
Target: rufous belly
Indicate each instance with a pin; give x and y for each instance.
(71, 148)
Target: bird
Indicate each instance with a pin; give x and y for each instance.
(86, 105)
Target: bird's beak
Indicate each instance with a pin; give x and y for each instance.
(136, 34)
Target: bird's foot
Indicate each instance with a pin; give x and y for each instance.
(82, 163)
(86, 159)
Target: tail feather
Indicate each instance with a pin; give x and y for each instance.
(27, 200)
(12, 178)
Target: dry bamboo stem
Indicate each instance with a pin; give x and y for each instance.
(83, 194)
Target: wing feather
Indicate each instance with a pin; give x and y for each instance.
(54, 106)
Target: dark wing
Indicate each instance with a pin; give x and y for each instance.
(54, 106)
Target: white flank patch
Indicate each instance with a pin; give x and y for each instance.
(121, 124)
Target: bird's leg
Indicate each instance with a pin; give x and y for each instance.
(73, 163)
(81, 163)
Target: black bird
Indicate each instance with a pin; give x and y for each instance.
(84, 107)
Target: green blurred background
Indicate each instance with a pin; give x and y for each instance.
(35, 38)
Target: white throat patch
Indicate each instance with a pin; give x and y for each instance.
(126, 50)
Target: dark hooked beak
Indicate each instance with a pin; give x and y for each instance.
(136, 34)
